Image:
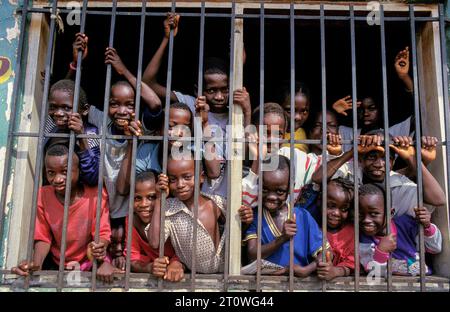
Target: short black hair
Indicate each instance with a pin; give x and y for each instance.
(185, 107)
(282, 163)
(309, 123)
(148, 175)
(270, 108)
(374, 189)
(57, 150)
(215, 65)
(284, 91)
(67, 85)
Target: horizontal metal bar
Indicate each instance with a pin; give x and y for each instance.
(247, 16)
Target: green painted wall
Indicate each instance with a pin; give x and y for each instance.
(9, 40)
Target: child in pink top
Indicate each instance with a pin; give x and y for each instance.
(81, 222)
(340, 231)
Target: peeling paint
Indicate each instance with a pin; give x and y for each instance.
(8, 101)
(13, 32)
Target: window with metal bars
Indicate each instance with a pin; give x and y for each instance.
(336, 49)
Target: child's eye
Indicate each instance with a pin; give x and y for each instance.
(137, 198)
(151, 197)
(130, 106)
(188, 177)
(112, 104)
(172, 180)
(281, 192)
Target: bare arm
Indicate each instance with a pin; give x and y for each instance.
(332, 166)
(148, 95)
(151, 71)
(139, 267)
(266, 250)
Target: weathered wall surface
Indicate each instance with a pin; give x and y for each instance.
(9, 39)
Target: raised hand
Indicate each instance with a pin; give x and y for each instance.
(428, 149)
(113, 58)
(403, 147)
(334, 146)
(402, 62)
(344, 104)
(80, 44)
(171, 22)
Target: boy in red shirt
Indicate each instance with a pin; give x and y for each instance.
(144, 258)
(81, 222)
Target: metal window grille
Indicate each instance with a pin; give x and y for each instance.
(237, 14)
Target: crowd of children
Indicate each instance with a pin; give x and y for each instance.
(281, 222)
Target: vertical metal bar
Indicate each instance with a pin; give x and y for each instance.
(229, 138)
(67, 196)
(386, 140)
(418, 143)
(198, 141)
(445, 86)
(134, 148)
(165, 145)
(12, 123)
(291, 145)
(260, 145)
(102, 143)
(355, 147)
(40, 148)
(324, 138)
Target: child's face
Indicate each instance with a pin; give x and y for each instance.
(60, 105)
(275, 128)
(373, 166)
(368, 112)
(179, 124)
(56, 172)
(337, 206)
(117, 241)
(316, 130)
(275, 189)
(181, 175)
(371, 214)
(144, 200)
(216, 92)
(121, 105)
(301, 109)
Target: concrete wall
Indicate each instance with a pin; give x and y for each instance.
(9, 39)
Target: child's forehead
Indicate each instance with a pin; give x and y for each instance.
(215, 78)
(180, 166)
(122, 88)
(276, 177)
(61, 93)
(371, 202)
